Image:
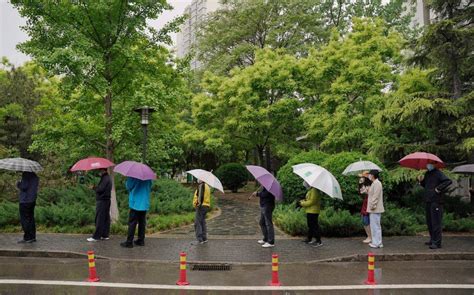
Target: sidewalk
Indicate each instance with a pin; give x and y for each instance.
(239, 251)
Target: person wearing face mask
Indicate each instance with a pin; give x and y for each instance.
(364, 185)
(312, 206)
(201, 203)
(375, 209)
(434, 182)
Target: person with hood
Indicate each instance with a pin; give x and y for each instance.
(267, 205)
(312, 206)
(375, 209)
(28, 187)
(364, 185)
(434, 182)
(139, 203)
(201, 203)
(103, 193)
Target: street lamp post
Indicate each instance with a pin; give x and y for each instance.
(145, 115)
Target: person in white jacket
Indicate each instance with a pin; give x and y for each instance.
(375, 209)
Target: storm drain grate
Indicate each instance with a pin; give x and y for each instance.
(211, 267)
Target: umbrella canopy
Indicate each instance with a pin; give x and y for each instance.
(267, 180)
(464, 169)
(91, 164)
(20, 164)
(207, 177)
(135, 170)
(419, 160)
(318, 177)
(357, 167)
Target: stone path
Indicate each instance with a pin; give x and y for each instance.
(238, 217)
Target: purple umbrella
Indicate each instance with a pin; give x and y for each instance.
(135, 170)
(267, 180)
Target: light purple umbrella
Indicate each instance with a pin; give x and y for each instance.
(135, 170)
(267, 180)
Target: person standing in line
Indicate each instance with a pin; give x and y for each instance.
(267, 205)
(434, 182)
(139, 203)
(312, 206)
(28, 187)
(201, 203)
(103, 193)
(375, 209)
(364, 185)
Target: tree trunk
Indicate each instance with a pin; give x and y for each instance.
(109, 151)
(261, 158)
(268, 157)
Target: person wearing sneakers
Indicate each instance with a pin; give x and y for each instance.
(364, 185)
(312, 207)
(375, 209)
(103, 193)
(139, 203)
(201, 203)
(267, 205)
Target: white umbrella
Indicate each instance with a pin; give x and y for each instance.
(207, 177)
(360, 166)
(318, 177)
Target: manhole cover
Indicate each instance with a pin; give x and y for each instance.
(211, 267)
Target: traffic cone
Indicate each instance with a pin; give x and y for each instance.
(371, 271)
(275, 281)
(92, 271)
(182, 270)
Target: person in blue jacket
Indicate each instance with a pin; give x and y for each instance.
(139, 203)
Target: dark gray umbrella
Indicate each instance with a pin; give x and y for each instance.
(464, 169)
(20, 164)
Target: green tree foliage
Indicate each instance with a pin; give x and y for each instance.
(233, 176)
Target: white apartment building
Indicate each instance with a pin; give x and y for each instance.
(186, 38)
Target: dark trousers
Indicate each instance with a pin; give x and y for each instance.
(136, 217)
(313, 227)
(200, 226)
(266, 224)
(27, 219)
(434, 220)
(102, 219)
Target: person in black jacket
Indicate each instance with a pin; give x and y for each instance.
(102, 210)
(434, 183)
(267, 205)
(28, 187)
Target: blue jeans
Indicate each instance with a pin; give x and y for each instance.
(266, 224)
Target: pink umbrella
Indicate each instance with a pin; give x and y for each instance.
(135, 170)
(419, 160)
(267, 180)
(91, 164)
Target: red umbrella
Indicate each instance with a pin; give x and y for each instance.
(419, 160)
(91, 164)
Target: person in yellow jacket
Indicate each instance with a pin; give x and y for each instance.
(201, 203)
(312, 207)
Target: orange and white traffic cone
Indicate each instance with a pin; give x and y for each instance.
(371, 271)
(275, 281)
(92, 271)
(182, 270)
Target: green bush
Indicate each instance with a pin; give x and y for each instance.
(450, 223)
(401, 221)
(9, 214)
(233, 176)
(170, 197)
(291, 183)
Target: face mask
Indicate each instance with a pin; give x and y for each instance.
(430, 167)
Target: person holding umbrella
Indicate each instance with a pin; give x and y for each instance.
(364, 186)
(267, 205)
(434, 182)
(375, 209)
(139, 203)
(312, 206)
(201, 203)
(28, 187)
(103, 193)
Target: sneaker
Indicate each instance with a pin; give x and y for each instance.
(312, 242)
(126, 245)
(139, 243)
(205, 241)
(317, 244)
(105, 238)
(367, 241)
(434, 246)
(428, 243)
(30, 241)
(261, 242)
(201, 242)
(375, 246)
(91, 239)
(268, 245)
(306, 241)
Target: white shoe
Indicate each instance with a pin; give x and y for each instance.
(375, 246)
(105, 239)
(268, 245)
(367, 241)
(261, 242)
(91, 239)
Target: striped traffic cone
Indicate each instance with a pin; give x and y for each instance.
(275, 281)
(182, 270)
(92, 271)
(371, 271)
